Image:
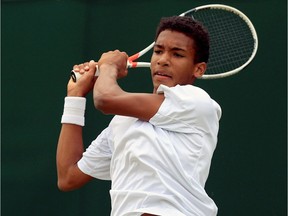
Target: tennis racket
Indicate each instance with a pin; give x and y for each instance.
(233, 41)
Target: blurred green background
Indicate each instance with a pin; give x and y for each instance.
(42, 40)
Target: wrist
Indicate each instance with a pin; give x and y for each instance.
(74, 110)
(75, 94)
(73, 90)
(110, 68)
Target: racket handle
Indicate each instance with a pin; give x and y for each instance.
(76, 75)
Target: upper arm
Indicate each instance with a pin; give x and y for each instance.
(138, 105)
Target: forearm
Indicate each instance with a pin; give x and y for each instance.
(70, 145)
(106, 88)
(111, 99)
(69, 150)
(112, 66)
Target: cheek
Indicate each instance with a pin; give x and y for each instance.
(186, 75)
(153, 63)
(153, 59)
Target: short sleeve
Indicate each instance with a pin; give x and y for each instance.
(96, 159)
(185, 109)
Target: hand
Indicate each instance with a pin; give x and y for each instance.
(116, 60)
(85, 83)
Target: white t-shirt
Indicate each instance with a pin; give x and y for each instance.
(161, 166)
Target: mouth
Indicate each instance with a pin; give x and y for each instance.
(162, 74)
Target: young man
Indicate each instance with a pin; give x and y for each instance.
(158, 148)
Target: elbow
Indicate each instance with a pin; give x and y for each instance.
(98, 102)
(64, 186)
(108, 99)
(68, 183)
(72, 182)
(101, 103)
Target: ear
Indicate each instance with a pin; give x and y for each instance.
(200, 69)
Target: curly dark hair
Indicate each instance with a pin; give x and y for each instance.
(191, 28)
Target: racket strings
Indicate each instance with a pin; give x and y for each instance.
(231, 42)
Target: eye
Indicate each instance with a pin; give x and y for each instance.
(157, 51)
(178, 55)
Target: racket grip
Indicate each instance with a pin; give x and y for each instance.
(76, 76)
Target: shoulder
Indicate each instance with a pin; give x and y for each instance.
(187, 99)
(185, 90)
(182, 94)
(186, 109)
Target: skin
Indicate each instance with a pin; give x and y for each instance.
(172, 61)
(171, 64)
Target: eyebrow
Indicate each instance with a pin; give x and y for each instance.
(173, 48)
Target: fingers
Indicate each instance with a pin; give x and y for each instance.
(111, 57)
(116, 58)
(85, 71)
(84, 67)
(85, 82)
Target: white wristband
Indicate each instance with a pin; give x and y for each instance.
(74, 111)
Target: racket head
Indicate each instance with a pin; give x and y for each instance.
(233, 39)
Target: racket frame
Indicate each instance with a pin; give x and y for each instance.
(251, 27)
(131, 60)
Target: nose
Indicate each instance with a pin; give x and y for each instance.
(163, 60)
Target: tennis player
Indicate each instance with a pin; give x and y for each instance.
(157, 150)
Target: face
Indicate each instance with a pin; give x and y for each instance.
(172, 61)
